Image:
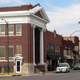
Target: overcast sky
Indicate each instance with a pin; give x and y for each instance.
(64, 15)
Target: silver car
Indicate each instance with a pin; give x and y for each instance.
(63, 67)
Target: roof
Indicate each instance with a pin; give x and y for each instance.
(16, 8)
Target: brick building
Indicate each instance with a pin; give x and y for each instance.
(53, 49)
(25, 44)
(71, 49)
(22, 31)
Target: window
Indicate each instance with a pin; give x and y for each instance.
(11, 51)
(57, 49)
(51, 46)
(11, 29)
(18, 49)
(2, 29)
(18, 29)
(2, 52)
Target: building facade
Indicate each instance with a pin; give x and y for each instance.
(25, 44)
(71, 49)
(22, 39)
(53, 49)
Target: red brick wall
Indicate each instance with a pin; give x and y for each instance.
(17, 8)
(50, 39)
(27, 43)
(26, 40)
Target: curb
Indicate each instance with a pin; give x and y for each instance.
(34, 74)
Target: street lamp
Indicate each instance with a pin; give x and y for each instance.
(7, 45)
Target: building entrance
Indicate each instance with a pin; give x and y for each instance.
(37, 45)
(18, 66)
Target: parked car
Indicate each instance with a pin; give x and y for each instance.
(63, 67)
(76, 66)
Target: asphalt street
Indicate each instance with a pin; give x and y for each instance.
(73, 75)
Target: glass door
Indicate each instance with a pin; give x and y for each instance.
(18, 66)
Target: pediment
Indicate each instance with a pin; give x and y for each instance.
(40, 12)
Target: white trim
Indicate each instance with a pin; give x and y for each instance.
(16, 66)
(35, 9)
(18, 58)
(24, 13)
(2, 33)
(26, 16)
(2, 58)
(5, 60)
(20, 32)
(10, 33)
(34, 45)
(44, 15)
(41, 47)
(14, 13)
(37, 21)
(45, 21)
(39, 8)
(11, 46)
(21, 14)
(25, 19)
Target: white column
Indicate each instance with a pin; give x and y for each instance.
(41, 47)
(33, 45)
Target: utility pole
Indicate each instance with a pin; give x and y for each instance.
(7, 45)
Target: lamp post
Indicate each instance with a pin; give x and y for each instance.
(7, 45)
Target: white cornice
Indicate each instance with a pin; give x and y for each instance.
(32, 11)
(18, 14)
(26, 16)
(35, 9)
(24, 19)
(14, 13)
(40, 18)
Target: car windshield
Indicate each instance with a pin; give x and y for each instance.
(63, 65)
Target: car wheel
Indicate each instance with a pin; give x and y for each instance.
(67, 71)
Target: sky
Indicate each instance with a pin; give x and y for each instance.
(64, 15)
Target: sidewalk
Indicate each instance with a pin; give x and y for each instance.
(34, 74)
(40, 74)
(5, 74)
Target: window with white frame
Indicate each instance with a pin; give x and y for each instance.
(11, 51)
(2, 52)
(18, 29)
(2, 29)
(57, 49)
(18, 49)
(11, 29)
